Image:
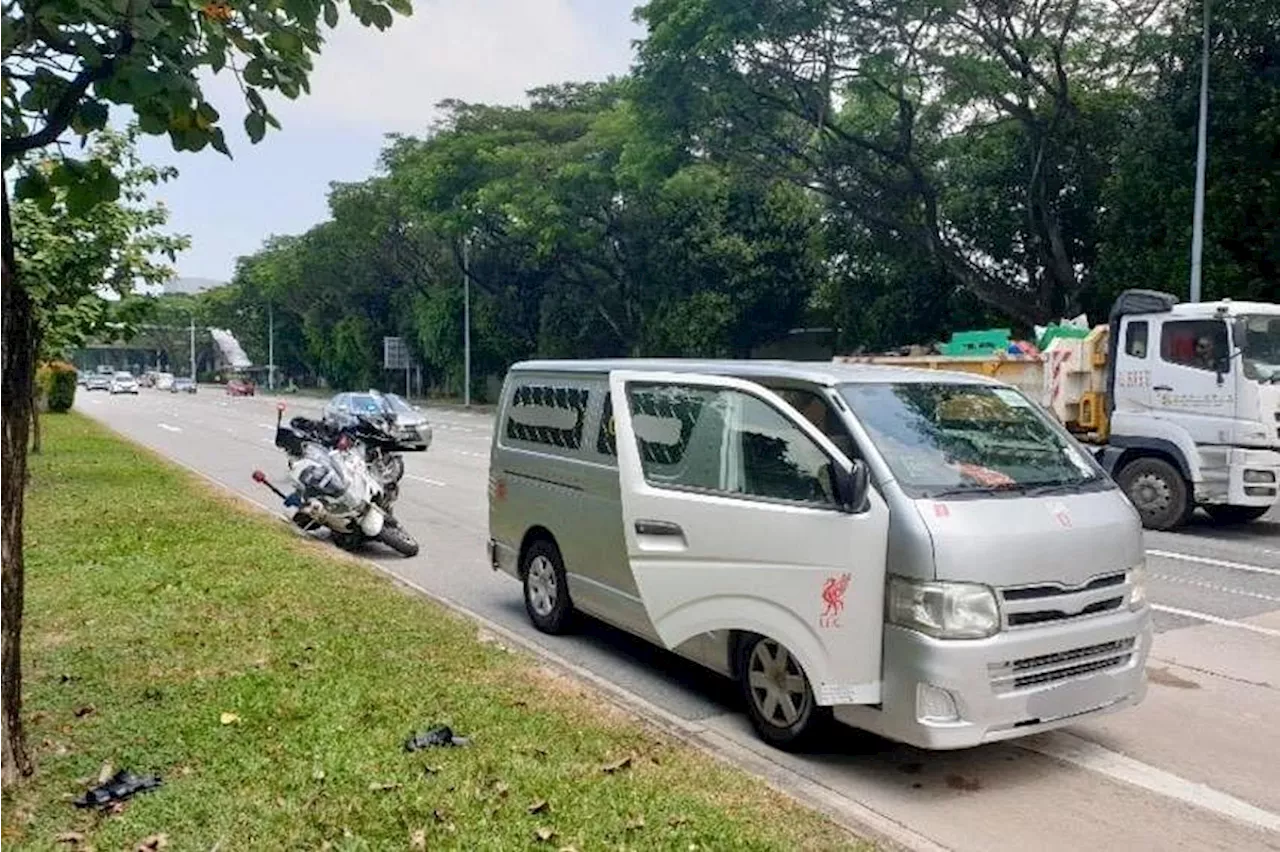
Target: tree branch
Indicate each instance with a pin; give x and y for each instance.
(59, 118)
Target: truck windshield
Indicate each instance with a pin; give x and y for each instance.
(948, 440)
(1258, 339)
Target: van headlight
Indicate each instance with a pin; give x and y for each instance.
(944, 610)
(1137, 587)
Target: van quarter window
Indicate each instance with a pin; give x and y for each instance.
(721, 440)
(551, 416)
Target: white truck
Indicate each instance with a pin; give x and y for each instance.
(1181, 401)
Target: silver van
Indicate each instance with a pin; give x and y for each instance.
(926, 556)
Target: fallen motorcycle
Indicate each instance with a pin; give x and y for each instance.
(334, 486)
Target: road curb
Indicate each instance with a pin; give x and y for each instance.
(853, 816)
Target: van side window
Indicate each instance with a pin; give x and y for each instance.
(551, 416)
(1135, 339)
(726, 441)
(607, 440)
(820, 413)
(1196, 343)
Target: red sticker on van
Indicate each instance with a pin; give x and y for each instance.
(833, 600)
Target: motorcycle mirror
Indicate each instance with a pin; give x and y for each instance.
(280, 407)
(259, 476)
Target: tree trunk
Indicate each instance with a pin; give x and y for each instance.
(18, 343)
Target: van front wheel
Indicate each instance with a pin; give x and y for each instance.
(546, 591)
(779, 699)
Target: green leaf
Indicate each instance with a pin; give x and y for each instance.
(255, 73)
(256, 126)
(331, 13)
(403, 7)
(32, 185)
(380, 17)
(218, 141)
(90, 116)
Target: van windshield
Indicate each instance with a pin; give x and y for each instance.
(951, 440)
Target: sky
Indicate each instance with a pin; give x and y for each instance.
(366, 84)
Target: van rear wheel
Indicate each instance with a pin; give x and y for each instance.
(546, 591)
(779, 699)
(1159, 493)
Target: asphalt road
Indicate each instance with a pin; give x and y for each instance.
(1196, 766)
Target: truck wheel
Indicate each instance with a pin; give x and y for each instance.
(779, 699)
(546, 590)
(1159, 493)
(1236, 514)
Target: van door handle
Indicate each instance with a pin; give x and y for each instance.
(1162, 388)
(658, 528)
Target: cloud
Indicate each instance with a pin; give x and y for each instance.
(475, 50)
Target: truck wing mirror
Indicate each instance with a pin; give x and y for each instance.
(852, 486)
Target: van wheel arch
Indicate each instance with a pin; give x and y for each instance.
(533, 534)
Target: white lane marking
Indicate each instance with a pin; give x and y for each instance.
(1214, 587)
(1070, 748)
(169, 428)
(266, 426)
(1213, 619)
(1217, 563)
(426, 480)
(472, 455)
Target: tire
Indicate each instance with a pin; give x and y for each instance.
(1158, 491)
(546, 589)
(395, 537)
(1236, 514)
(778, 696)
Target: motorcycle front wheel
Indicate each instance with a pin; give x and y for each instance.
(395, 537)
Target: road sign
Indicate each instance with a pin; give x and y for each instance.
(395, 355)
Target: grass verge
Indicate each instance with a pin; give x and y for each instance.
(272, 684)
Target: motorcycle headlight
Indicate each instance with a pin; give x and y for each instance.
(944, 610)
(1137, 587)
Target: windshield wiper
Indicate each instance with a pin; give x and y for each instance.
(959, 490)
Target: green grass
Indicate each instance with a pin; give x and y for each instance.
(155, 606)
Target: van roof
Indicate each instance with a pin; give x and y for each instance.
(816, 372)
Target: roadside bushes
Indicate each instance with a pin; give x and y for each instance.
(56, 385)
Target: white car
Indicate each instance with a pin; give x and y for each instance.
(164, 381)
(123, 383)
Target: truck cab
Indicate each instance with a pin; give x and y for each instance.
(1194, 407)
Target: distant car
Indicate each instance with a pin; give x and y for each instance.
(162, 381)
(123, 383)
(147, 379)
(240, 387)
(82, 378)
(97, 381)
(411, 425)
(182, 384)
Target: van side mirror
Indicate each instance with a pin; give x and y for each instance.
(851, 487)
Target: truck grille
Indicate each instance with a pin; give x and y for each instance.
(1043, 604)
(1031, 672)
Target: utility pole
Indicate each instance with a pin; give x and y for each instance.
(193, 347)
(1197, 222)
(466, 327)
(271, 348)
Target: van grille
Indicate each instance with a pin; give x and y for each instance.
(1043, 604)
(1064, 665)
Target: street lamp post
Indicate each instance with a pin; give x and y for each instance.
(271, 348)
(1197, 220)
(193, 347)
(466, 328)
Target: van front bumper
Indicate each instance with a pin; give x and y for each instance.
(948, 694)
